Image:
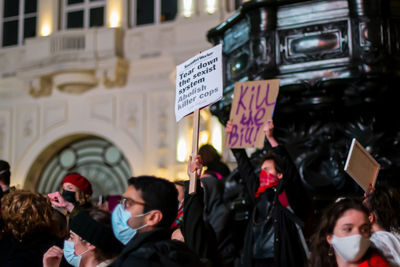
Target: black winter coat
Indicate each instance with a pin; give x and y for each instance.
(274, 221)
(198, 234)
(156, 249)
(29, 252)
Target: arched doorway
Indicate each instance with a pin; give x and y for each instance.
(95, 158)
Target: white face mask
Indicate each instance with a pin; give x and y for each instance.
(350, 248)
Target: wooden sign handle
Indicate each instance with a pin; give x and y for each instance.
(195, 149)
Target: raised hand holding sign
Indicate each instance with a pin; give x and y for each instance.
(198, 84)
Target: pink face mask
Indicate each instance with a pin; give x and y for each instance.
(267, 180)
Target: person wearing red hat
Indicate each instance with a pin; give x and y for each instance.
(76, 191)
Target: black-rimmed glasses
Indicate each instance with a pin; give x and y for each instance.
(128, 202)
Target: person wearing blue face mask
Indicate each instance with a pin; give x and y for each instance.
(122, 230)
(142, 222)
(91, 242)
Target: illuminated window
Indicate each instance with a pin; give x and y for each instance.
(210, 132)
(83, 13)
(18, 21)
(144, 12)
(211, 6)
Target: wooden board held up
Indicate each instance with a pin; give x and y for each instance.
(361, 166)
(253, 104)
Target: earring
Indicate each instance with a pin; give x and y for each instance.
(330, 251)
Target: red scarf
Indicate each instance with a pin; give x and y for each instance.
(178, 219)
(267, 180)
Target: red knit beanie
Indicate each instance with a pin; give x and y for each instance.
(79, 181)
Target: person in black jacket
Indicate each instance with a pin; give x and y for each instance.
(196, 231)
(273, 236)
(212, 160)
(142, 221)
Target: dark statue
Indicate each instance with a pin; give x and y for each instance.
(338, 62)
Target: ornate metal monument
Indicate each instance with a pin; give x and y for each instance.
(339, 65)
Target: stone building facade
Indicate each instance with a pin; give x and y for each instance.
(74, 97)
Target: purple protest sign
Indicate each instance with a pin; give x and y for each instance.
(253, 104)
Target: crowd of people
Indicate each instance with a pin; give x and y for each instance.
(156, 222)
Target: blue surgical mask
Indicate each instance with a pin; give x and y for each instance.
(122, 231)
(69, 253)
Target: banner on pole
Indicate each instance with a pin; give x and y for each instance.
(198, 82)
(253, 104)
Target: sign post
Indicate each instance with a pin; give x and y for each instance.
(198, 84)
(195, 149)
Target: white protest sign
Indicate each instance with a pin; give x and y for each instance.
(361, 166)
(198, 82)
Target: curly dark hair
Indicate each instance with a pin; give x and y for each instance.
(384, 203)
(25, 213)
(320, 247)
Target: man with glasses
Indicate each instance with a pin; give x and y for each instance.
(142, 222)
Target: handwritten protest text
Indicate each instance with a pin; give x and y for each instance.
(252, 106)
